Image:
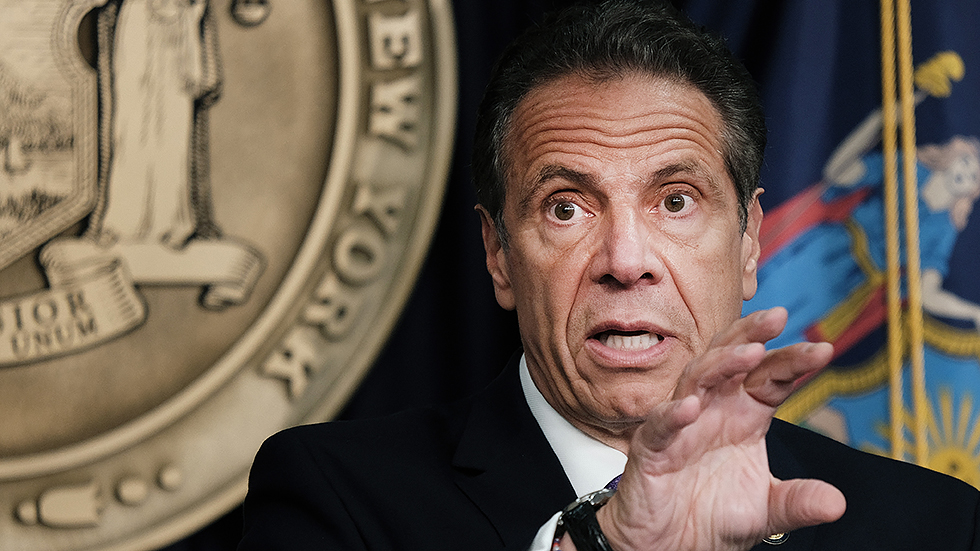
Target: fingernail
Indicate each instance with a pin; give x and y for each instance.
(814, 346)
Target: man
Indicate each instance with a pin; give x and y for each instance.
(617, 158)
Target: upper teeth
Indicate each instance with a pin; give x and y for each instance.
(629, 342)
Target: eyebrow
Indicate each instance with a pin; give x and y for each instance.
(688, 167)
(550, 172)
(694, 168)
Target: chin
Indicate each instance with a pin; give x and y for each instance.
(633, 409)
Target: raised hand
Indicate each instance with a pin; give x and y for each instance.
(698, 474)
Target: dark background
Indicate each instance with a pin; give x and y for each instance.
(817, 64)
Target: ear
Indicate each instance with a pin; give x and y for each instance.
(496, 260)
(751, 248)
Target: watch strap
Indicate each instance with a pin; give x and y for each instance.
(580, 522)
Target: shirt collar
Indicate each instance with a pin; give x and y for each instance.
(588, 463)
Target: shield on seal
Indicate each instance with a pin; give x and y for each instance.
(48, 124)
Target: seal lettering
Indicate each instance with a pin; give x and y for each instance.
(384, 206)
(396, 41)
(395, 112)
(331, 310)
(294, 361)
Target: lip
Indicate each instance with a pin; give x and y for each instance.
(628, 359)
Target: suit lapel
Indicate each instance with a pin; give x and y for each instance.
(784, 466)
(505, 465)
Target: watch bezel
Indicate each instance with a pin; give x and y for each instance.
(579, 521)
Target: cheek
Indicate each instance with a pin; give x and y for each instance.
(547, 283)
(709, 279)
(555, 257)
(546, 314)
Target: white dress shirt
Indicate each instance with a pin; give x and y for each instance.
(588, 463)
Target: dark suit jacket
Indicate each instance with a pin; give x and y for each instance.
(479, 475)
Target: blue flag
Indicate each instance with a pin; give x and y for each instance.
(823, 238)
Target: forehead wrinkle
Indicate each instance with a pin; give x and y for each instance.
(609, 130)
(537, 106)
(614, 121)
(681, 134)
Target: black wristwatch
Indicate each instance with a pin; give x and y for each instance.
(579, 521)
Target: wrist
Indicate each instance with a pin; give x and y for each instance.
(564, 543)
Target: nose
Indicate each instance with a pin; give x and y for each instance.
(626, 252)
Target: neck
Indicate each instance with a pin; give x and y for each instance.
(615, 434)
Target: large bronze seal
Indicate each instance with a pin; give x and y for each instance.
(210, 219)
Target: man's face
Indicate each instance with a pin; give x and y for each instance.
(625, 253)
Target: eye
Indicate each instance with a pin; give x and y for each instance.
(675, 202)
(565, 210)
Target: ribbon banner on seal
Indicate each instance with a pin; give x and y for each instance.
(93, 296)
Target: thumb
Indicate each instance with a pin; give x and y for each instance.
(803, 502)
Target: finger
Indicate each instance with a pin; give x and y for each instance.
(761, 326)
(799, 503)
(776, 376)
(718, 366)
(664, 424)
(729, 353)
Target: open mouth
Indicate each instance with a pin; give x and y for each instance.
(628, 340)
